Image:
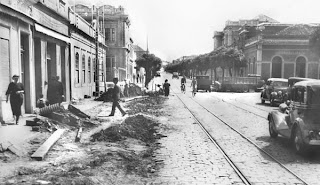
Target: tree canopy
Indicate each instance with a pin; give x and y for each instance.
(225, 58)
(151, 63)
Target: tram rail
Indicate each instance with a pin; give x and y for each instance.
(228, 159)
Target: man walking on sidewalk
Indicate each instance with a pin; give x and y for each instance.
(116, 98)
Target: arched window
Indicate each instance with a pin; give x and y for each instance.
(83, 69)
(301, 67)
(89, 69)
(77, 75)
(276, 67)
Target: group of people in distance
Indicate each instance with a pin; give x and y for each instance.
(166, 86)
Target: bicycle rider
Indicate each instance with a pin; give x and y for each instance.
(183, 82)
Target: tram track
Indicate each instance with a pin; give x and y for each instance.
(228, 159)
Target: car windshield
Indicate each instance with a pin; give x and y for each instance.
(280, 84)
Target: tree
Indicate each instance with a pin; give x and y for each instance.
(151, 63)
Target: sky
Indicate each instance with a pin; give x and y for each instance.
(176, 28)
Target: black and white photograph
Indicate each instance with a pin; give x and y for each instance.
(159, 92)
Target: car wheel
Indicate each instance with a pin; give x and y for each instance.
(299, 145)
(272, 131)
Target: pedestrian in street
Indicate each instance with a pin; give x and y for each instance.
(138, 78)
(116, 98)
(194, 86)
(15, 91)
(55, 91)
(126, 89)
(166, 87)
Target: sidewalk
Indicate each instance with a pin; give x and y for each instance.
(17, 134)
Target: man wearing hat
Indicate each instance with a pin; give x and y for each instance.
(55, 91)
(15, 91)
(116, 98)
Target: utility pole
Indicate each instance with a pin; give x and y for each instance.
(97, 52)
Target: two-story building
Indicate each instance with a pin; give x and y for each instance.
(43, 39)
(272, 49)
(34, 38)
(88, 57)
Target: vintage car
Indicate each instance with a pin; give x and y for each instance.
(175, 75)
(292, 81)
(299, 120)
(274, 91)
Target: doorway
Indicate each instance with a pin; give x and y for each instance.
(25, 71)
(276, 67)
(301, 67)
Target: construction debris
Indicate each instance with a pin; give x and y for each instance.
(1, 148)
(45, 147)
(48, 109)
(77, 112)
(7, 145)
(78, 136)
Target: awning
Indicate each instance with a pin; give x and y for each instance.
(51, 33)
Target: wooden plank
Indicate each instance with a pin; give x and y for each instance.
(7, 145)
(78, 136)
(18, 151)
(45, 147)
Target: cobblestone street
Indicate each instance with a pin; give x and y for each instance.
(189, 156)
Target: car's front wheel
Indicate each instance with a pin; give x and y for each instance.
(272, 130)
(272, 102)
(299, 145)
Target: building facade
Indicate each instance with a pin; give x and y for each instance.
(272, 49)
(115, 24)
(34, 45)
(41, 39)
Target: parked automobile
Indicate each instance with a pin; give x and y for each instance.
(175, 75)
(203, 83)
(299, 120)
(292, 81)
(274, 91)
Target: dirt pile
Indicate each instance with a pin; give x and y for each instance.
(137, 127)
(148, 105)
(121, 154)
